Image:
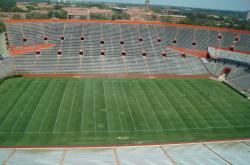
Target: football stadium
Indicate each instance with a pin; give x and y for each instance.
(91, 83)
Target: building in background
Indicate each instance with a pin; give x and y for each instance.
(174, 18)
(248, 16)
(79, 13)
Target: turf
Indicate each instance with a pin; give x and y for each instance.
(98, 111)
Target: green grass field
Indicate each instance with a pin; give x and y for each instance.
(97, 111)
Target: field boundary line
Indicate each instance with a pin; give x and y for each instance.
(128, 145)
(116, 75)
(114, 131)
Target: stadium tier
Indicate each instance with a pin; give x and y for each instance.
(238, 76)
(237, 56)
(92, 47)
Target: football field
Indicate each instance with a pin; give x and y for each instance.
(101, 111)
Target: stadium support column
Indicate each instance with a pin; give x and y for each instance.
(116, 156)
(9, 157)
(61, 161)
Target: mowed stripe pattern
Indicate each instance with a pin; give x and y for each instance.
(111, 108)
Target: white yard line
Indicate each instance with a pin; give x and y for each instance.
(106, 107)
(196, 108)
(48, 109)
(162, 108)
(27, 104)
(94, 106)
(150, 106)
(140, 109)
(118, 109)
(13, 108)
(172, 107)
(72, 103)
(216, 111)
(37, 107)
(232, 108)
(186, 112)
(60, 108)
(128, 107)
(83, 105)
(191, 105)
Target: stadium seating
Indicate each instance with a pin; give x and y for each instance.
(6, 67)
(73, 54)
(231, 55)
(239, 76)
(112, 48)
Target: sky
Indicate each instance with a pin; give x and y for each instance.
(236, 5)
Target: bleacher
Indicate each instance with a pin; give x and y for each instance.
(229, 55)
(6, 67)
(120, 48)
(125, 48)
(238, 77)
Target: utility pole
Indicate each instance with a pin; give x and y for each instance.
(146, 5)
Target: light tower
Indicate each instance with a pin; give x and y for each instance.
(147, 5)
